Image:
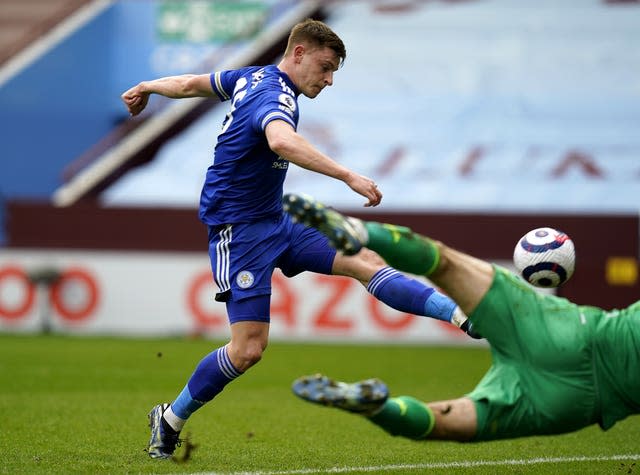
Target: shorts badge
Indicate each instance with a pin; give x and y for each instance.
(244, 279)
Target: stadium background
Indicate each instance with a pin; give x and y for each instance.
(479, 119)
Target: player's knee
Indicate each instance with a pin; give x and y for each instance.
(248, 354)
(371, 257)
(444, 262)
(247, 359)
(362, 266)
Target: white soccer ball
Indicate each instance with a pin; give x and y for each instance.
(545, 257)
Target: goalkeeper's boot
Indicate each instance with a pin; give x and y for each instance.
(345, 234)
(163, 440)
(363, 397)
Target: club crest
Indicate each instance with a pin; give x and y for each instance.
(245, 279)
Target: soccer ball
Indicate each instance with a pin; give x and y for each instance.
(545, 257)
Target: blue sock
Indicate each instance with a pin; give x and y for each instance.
(212, 374)
(409, 295)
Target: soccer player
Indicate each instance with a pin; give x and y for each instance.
(241, 203)
(556, 366)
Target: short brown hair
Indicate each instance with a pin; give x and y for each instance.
(315, 33)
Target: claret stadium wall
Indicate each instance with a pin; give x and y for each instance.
(487, 120)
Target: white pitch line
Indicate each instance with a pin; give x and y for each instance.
(438, 465)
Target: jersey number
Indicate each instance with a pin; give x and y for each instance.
(238, 95)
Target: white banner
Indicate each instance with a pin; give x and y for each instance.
(156, 294)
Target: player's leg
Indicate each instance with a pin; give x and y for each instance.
(211, 375)
(464, 278)
(382, 281)
(232, 250)
(397, 290)
(409, 417)
(248, 341)
(399, 416)
(217, 369)
(310, 251)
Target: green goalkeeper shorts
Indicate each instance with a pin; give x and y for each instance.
(557, 366)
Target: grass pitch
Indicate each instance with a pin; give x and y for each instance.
(79, 405)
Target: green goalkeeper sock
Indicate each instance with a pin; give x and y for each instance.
(403, 249)
(405, 416)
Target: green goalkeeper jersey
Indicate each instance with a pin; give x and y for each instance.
(557, 366)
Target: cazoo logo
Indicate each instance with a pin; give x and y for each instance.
(72, 292)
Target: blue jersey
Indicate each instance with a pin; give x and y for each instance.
(244, 183)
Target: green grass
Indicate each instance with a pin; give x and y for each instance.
(79, 405)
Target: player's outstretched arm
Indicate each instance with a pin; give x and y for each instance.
(291, 146)
(174, 87)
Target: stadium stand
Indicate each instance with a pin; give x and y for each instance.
(24, 21)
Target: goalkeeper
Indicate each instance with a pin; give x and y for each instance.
(556, 366)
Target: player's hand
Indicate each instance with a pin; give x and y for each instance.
(367, 188)
(135, 100)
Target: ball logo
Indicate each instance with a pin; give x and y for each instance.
(244, 279)
(545, 257)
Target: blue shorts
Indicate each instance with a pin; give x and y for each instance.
(244, 256)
